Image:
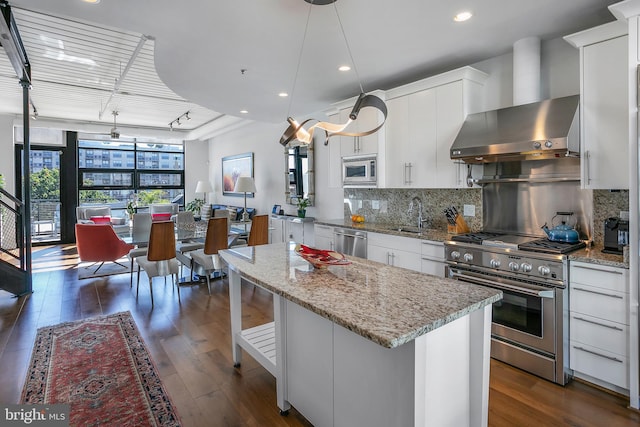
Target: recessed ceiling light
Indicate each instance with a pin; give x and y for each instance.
(283, 94)
(91, 1)
(462, 16)
(344, 68)
(244, 112)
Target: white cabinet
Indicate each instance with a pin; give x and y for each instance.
(398, 251)
(359, 145)
(604, 134)
(411, 141)
(291, 229)
(599, 324)
(323, 236)
(432, 258)
(424, 119)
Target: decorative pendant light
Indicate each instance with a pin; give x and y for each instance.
(115, 133)
(296, 131)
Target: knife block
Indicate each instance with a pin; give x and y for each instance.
(460, 226)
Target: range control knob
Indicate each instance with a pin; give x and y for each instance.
(468, 257)
(514, 266)
(455, 255)
(525, 267)
(537, 145)
(548, 144)
(544, 270)
(494, 263)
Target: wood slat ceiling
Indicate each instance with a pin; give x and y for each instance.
(75, 67)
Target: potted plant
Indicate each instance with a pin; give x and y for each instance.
(131, 209)
(302, 206)
(194, 206)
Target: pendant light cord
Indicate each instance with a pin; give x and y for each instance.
(355, 69)
(295, 79)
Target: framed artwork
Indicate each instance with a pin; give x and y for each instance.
(234, 167)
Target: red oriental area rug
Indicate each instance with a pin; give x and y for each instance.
(102, 369)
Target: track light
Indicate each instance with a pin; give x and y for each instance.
(176, 121)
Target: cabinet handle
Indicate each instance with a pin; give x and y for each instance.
(393, 259)
(599, 324)
(598, 269)
(410, 170)
(407, 175)
(587, 171)
(614, 359)
(425, 242)
(598, 293)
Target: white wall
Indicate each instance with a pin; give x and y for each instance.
(261, 139)
(196, 161)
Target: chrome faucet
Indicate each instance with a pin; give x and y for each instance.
(421, 220)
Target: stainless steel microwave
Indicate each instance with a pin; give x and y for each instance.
(360, 171)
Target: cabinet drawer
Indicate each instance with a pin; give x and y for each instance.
(406, 244)
(599, 275)
(597, 302)
(323, 230)
(599, 333)
(433, 250)
(600, 364)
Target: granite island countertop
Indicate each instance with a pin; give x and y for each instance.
(387, 305)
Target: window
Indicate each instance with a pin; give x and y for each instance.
(115, 172)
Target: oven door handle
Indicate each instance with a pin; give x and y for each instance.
(480, 281)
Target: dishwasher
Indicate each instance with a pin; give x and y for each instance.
(350, 242)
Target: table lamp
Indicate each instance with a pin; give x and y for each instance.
(245, 185)
(204, 187)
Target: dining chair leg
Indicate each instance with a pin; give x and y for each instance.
(208, 273)
(151, 289)
(177, 285)
(131, 275)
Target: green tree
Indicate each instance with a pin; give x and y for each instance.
(148, 197)
(45, 184)
(94, 196)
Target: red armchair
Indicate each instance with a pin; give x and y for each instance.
(98, 243)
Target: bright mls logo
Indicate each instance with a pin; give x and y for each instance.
(35, 415)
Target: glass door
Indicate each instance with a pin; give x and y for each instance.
(45, 192)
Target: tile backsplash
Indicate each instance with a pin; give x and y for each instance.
(607, 203)
(391, 206)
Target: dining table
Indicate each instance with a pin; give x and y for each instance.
(185, 235)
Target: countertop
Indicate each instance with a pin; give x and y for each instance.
(592, 254)
(425, 234)
(387, 305)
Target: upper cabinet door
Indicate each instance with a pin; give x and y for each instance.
(360, 145)
(451, 115)
(605, 125)
(411, 141)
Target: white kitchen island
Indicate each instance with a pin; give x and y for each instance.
(366, 344)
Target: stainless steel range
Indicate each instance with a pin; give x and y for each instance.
(528, 330)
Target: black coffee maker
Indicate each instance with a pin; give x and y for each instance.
(616, 235)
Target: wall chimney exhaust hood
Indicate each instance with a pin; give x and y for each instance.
(540, 130)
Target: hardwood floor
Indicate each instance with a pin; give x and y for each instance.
(191, 346)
